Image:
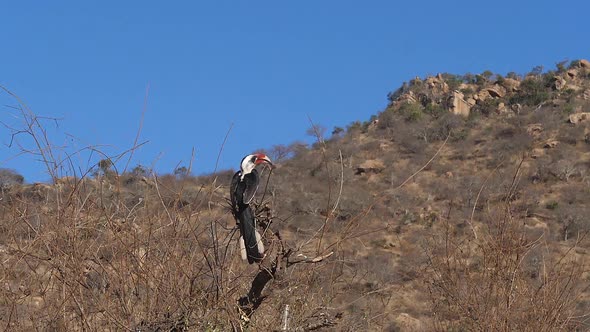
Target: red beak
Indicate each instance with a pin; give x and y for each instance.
(262, 158)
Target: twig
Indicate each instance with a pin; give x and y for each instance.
(311, 260)
(320, 140)
(143, 111)
(341, 183)
(221, 148)
(477, 197)
(350, 223)
(425, 165)
(43, 145)
(286, 318)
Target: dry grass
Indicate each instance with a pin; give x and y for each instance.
(124, 252)
(505, 279)
(415, 247)
(505, 282)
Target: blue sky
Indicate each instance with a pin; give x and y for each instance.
(263, 66)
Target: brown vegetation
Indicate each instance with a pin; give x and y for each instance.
(419, 219)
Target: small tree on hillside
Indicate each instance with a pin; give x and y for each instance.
(181, 172)
(104, 167)
(280, 152)
(537, 71)
(140, 170)
(317, 131)
(9, 177)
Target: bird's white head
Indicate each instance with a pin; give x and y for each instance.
(252, 160)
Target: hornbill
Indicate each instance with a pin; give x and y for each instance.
(242, 190)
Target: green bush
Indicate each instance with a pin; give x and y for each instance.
(552, 205)
(574, 64)
(568, 108)
(354, 126)
(513, 75)
(467, 91)
(435, 110)
(487, 106)
(453, 81)
(412, 112)
(460, 135)
(532, 92)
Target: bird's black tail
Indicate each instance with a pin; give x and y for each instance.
(254, 249)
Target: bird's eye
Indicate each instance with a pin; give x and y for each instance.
(254, 159)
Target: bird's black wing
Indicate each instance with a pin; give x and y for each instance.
(242, 192)
(250, 183)
(233, 191)
(252, 241)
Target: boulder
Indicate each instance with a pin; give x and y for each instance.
(559, 83)
(516, 108)
(481, 95)
(511, 84)
(579, 117)
(585, 63)
(406, 322)
(496, 91)
(458, 105)
(572, 73)
(66, 180)
(407, 97)
(374, 166)
(550, 144)
(556, 103)
(384, 145)
(431, 82)
(534, 129)
(537, 153)
(437, 84)
(465, 86)
(574, 87)
(501, 108)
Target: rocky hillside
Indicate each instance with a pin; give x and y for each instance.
(487, 92)
(462, 206)
(500, 153)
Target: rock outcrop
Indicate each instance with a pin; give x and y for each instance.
(559, 83)
(468, 92)
(437, 84)
(511, 84)
(534, 129)
(370, 166)
(572, 73)
(550, 144)
(458, 105)
(579, 117)
(496, 91)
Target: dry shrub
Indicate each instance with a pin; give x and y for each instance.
(487, 282)
(147, 253)
(91, 262)
(87, 261)
(136, 251)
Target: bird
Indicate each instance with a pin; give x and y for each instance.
(243, 187)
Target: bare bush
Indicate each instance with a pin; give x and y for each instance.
(484, 283)
(139, 251)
